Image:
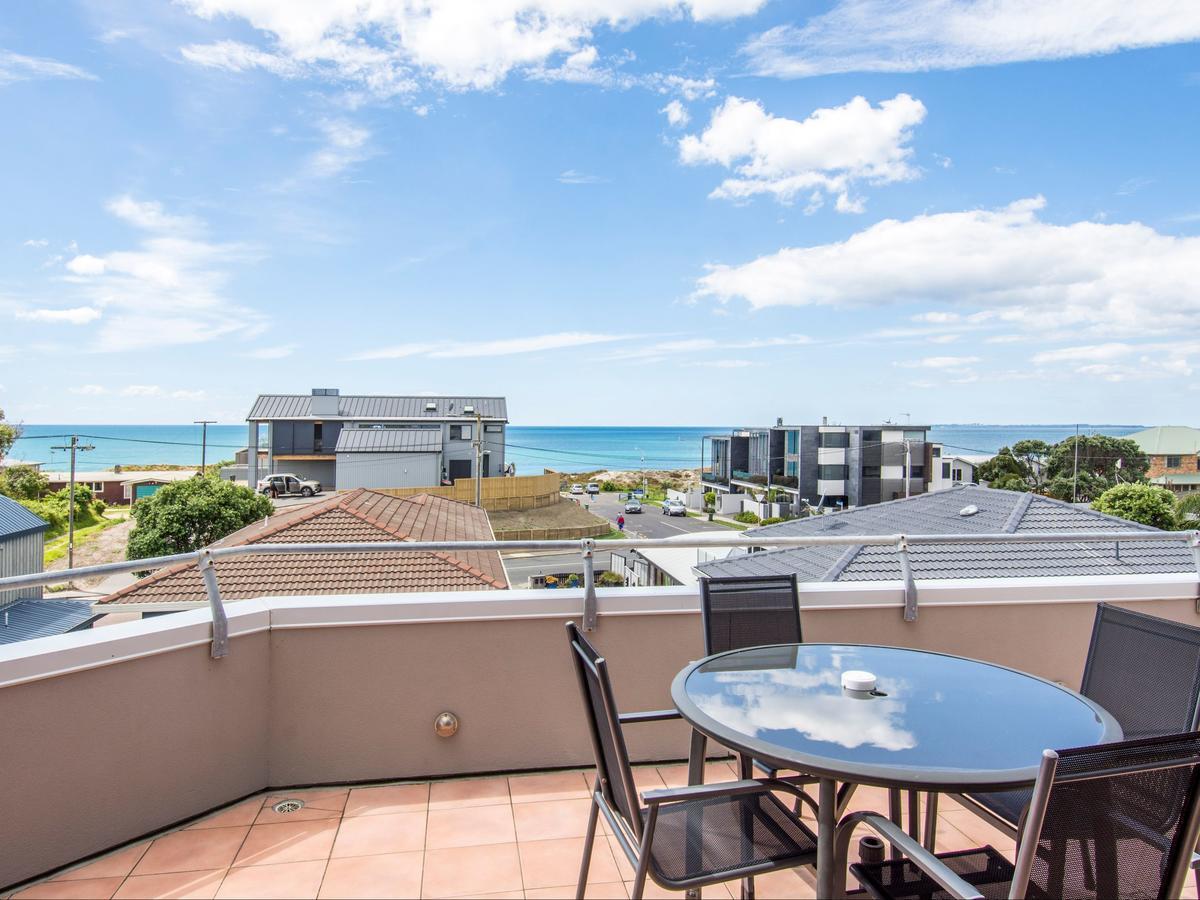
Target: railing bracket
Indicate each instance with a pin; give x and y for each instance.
(220, 622)
(587, 548)
(910, 584)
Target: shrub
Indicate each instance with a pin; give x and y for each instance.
(773, 520)
(609, 579)
(54, 514)
(1148, 504)
(746, 517)
(23, 483)
(609, 487)
(187, 515)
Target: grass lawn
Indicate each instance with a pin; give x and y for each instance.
(613, 535)
(57, 548)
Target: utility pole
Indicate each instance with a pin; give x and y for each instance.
(1075, 473)
(204, 423)
(73, 446)
(643, 452)
(478, 459)
(907, 465)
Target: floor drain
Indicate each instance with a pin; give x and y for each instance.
(288, 806)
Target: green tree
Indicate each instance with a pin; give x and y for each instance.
(1007, 468)
(23, 483)
(187, 515)
(1148, 504)
(1187, 511)
(1106, 457)
(8, 435)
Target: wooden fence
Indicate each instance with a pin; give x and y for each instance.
(553, 534)
(515, 492)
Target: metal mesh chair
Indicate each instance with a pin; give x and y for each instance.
(683, 837)
(1113, 820)
(1144, 670)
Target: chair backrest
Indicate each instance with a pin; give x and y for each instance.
(608, 740)
(1145, 671)
(749, 612)
(1120, 820)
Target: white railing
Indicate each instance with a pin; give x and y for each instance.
(206, 559)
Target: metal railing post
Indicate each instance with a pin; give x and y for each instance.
(587, 548)
(1194, 543)
(220, 622)
(910, 584)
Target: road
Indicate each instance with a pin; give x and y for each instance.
(651, 522)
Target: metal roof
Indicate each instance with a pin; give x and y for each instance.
(1172, 440)
(28, 619)
(298, 406)
(998, 512)
(1184, 478)
(389, 440)
(16, 519)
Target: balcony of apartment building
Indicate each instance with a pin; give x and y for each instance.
(425, 744)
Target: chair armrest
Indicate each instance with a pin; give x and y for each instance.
(918, 855)
(654, 715)
(706, 791)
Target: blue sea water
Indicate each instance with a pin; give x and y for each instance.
(532, 448)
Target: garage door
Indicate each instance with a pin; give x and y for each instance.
(141, 491)
(387, 470)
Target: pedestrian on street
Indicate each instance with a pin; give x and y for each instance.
(621, 523)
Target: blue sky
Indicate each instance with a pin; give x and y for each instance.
(612, 212)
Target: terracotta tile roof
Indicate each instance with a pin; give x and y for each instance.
(360, 516)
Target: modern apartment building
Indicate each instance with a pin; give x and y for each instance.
(355, 441)
(825, 465)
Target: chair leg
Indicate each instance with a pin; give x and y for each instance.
(639, 879)
(748, 888)
(894, 815)
(931, 814)
(593, 814)
(696, 756)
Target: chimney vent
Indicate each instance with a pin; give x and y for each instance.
(324, 402)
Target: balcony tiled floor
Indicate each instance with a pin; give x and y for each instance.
(519, 836)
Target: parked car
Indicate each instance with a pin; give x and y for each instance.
(593, 488)
(674, 508)
(577, 489)
(633, 505)
(286, 484)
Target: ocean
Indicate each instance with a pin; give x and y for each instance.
(532, 448)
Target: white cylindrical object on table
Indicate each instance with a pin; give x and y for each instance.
(858, 681)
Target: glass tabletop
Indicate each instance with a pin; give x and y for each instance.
(933, 719)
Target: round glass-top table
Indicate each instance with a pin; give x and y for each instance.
(934, 722)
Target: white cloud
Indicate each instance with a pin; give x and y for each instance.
(39, 242)
(570, 176)
(89, 390)
(919, 35)
(280, 352)
(940, 362)
(937, 317)
(170, 289)
(79, 315)
(188, 395)
(1006, 266)
(944, 161)
(827, 153)
(724, 363)
(345, 144)
(503, 347)
(676, 113)
(142, 390)
(680, 346)
(943, 338)
(1092, 353)
(390, 47)
(16, 67)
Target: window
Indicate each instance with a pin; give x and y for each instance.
(318, 437)
(1198, 463)
(835, 439)
(917, 472)
(958, 475)
(914, 435)
(493, 429)
(871, 472)
(790, 468)
(460, 432)
(1174, 462)
(872, 437)
(793, 442)
(831, 473)
(937, 451)
(97, 487)
(945, 470)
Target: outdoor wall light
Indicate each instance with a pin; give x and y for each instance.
(445, 725)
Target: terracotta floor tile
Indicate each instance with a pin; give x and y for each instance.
(384, 876)
(286, 843)
(556, 863)
(188, 851)
(621, 860)
(200, 885)
(114, 865)
(646, 778)
(239, 814)
(268, 816)
(465, 871)
(785, 885)
(654, 892)
(87, 889)
(714, 773)
(468, 792)
(388, 798)
(286, 881)
(551, 819)
(391, 833)
(551, 786)
(613, 891)
(470, 827)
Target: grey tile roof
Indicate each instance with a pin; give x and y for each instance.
(28, 619)
(298, 406)
(389, 440)
(939, 513)
(16, 519)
